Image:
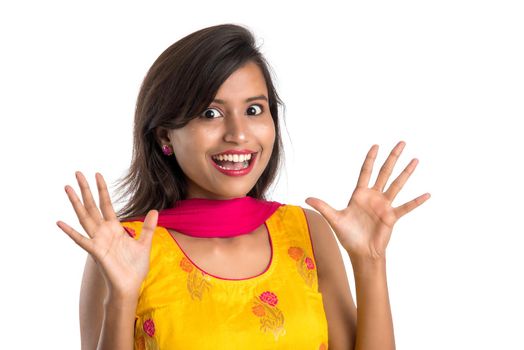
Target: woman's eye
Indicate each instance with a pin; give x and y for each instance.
(252, 108)
(211, 113)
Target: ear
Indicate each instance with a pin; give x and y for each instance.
(162, 135)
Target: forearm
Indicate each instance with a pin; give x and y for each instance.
(118, 325)
(374, 320)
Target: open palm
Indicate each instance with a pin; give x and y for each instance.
(123, 261)
(364, 227)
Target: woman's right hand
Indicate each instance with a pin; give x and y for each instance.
(123, 260)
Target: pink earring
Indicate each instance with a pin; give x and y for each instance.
(166, 149)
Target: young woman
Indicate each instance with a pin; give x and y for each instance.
(198, 258)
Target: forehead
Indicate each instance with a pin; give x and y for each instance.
(246, 81)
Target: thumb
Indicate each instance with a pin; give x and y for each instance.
(150, 221)
(323, 208)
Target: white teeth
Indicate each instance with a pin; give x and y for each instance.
(237, 158)
(245, 165)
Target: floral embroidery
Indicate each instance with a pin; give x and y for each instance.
(145, 336)
(269, 298)
(197, 281)
(295, 252)
(309, 263)
(322, 346)
(186, 265)
(259, 310)
(271, 317)
(305, 264)
(149, 327)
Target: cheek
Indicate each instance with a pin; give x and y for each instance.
(192, 145)
(182, 145)
(181, 138)
(269, 133)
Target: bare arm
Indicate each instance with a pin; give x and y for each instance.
(368, 326)
(116, 266)
(106, 322)
(118, 325)
(92, 295)
(364, 229)
(374, 320)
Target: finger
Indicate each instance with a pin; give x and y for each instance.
(387, 167)
(83, 216)
(409, 206)
(323, 208)
(79, 239)
(399, 182)
(148, 228)
(367, 167)
(105, 202)
(89, 201)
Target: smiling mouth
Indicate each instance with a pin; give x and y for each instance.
(234, 163)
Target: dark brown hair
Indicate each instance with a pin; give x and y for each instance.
(178, 87)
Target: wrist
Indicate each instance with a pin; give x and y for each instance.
(367, 266)
(121, 300)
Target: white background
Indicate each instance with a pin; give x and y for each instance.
(447, 77)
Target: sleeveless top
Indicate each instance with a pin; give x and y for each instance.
(183, 307)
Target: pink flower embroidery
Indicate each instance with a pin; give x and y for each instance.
(271, 317)
(269, 298)
(309, 263)
(149, 327)
(130, 232)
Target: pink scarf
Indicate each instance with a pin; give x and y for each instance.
(207, 218)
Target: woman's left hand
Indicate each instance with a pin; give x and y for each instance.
(364, 227)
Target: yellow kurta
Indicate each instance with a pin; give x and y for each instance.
(183, 307)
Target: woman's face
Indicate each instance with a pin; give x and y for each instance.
(238, 120)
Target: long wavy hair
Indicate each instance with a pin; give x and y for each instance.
(179, 86)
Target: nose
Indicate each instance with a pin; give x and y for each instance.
(236, 129)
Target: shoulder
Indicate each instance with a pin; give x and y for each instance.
(332, 276)
(323, 240)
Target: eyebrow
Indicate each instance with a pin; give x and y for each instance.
(249, 99)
